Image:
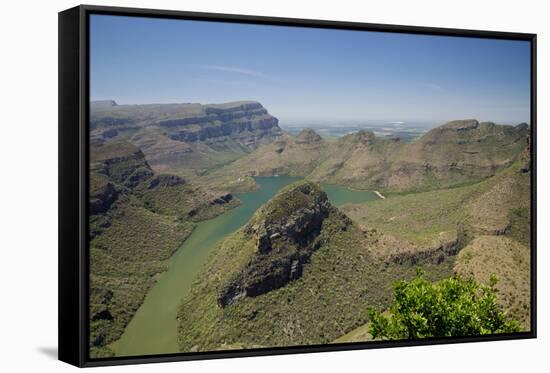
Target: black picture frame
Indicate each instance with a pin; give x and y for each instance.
(74, 188)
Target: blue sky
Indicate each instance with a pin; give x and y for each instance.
(306, 74)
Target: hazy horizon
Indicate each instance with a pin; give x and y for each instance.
(310, 75)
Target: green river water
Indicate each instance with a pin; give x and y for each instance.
(153, 329)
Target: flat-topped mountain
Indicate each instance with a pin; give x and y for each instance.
(186, 136)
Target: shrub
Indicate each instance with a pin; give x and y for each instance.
(452, 307)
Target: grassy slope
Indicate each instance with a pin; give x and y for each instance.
(124, 262)
(500, 201)
(421, 217)
(509, 260)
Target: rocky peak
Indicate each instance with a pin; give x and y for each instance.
(359, 137)
(522, 126)
(308, 136)
(285, 232)
(294, 216)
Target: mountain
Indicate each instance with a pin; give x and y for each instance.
(288, 155)
(452, 154)
(285, 234)
(287, 277)
(186, 136)
(457, 152)
(138, 219)
(359, 159)
(480, 229)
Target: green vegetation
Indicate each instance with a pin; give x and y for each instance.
(417, 217)
(302, 271)
(452, 307)
(138, 220)
(420, 221)
(318, 307)
(125, 262)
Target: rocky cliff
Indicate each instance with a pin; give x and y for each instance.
(186, 136)
(285, 234)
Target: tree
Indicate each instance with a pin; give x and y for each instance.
(452, 307)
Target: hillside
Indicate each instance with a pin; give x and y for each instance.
(288, 155)
(487, 224)
(510, 261)
(456, 199)
(456, 153)
(286, 277)
(359, 159)
(181, 138)
(130, 204)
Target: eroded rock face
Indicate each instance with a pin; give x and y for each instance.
(176, 136)
(246, 123)
(102, 198)
(121, 162)
(285, 233)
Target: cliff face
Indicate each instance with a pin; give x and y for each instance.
(246, 123)
(285, 234)
(122, 162)
(186, 136)
(114, 168)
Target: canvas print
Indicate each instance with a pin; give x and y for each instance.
(258, 186)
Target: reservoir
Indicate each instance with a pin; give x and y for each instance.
(153, 329)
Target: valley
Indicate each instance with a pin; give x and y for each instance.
(212, 228)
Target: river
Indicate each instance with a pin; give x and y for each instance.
(153, 329)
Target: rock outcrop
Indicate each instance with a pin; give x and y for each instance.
(121, 162)
(102, 195)
(285, 233)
